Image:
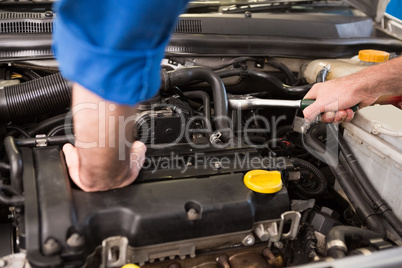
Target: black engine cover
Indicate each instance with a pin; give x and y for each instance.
(146, 213)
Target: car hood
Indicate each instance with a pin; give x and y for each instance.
(372, 8)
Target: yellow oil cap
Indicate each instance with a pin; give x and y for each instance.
(371, 55)
(130, 265)
(263, 181)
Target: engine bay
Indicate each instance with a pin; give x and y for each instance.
(233, 175)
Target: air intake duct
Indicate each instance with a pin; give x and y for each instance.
(44, 95)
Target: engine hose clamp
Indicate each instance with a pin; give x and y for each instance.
(338, 244)
(215, 137)
(41, 140)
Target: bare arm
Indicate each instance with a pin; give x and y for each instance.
(103, 157)
(335, 96)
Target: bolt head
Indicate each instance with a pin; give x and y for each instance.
(51, 246)
(48, 14)
(217, 165)
(278, 245)
(75, 241)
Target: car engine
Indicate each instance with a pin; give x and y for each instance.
(233, 176)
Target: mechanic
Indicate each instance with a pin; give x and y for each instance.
(112, 51)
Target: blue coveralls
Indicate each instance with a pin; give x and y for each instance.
(114, 47)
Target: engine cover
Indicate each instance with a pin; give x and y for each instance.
(147, 213)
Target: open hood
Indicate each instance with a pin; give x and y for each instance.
(372, 8)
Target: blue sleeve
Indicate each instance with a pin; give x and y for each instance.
(114, 48)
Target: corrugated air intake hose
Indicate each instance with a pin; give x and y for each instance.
(44, 95)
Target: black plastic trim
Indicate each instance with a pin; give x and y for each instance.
(32, 217)
(249, 45)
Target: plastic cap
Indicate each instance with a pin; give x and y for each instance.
(263, 181)
(130, 265)
(371, 55)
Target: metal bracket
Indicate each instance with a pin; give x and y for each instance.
(114, 251)
(294, 218)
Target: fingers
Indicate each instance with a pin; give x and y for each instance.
(312, 93)
(71, 155)
(328, 117)
(350, 115)
(337, 117)
(137, 158)
(312, 111)
(330, 102)
(139, 147)
(72, 161)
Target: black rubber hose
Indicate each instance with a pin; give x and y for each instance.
(295, 90)
(380, 204)
(338, 235)
(184, 76)
(16, 200)
(283, 68)
(15, 159)
(272, 62)
(48, 94)
(319, 178)
(18, 129)
(363, 209)
(58, 129)
(54, 140)
(220, 66)
(232, 72)
(269, 77)
(48, 123)
(298, 90)
(322, 75)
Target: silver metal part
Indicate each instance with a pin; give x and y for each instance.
(336, 243)
(279, 245)
(320, 243)
(364, 251)
(261, 232)
(299, 124)
(181, 249)
(41, 140)
(248, 240)
(273, 232)
(114, 251)
(192, 214)
(215, 137)
(294, 218)
(253, 103)
(218, 165)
